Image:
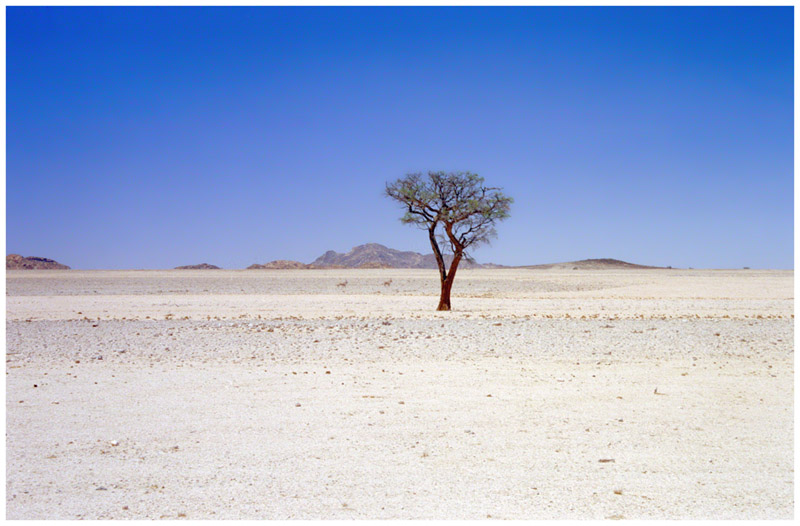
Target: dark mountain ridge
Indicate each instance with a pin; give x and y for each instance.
(375, 255)
(17, 262)
(590, 264)
(201, 266)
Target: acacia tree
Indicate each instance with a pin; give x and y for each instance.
(456, 209)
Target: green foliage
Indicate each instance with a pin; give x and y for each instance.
(457, 203)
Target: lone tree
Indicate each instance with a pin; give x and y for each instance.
(456, 209)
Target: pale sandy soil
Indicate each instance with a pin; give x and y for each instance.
(645, 394)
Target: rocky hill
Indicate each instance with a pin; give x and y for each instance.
(17, 262)
(374, 255)
(201, 266)
(590, 264)
(279, 264)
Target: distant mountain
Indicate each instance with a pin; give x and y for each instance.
(17, 262)
(201, 266)
(374, 255)
(279, 264)
(590, 264)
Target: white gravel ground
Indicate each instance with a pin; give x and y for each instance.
(277, 394)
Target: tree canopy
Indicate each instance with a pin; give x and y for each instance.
(455, 208)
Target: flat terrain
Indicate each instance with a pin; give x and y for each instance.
(545, 394)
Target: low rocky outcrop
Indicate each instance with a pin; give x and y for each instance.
(17, 262)
(201, 266)
(591, 264)
(280, 264)
(377, 256)
(374, 255)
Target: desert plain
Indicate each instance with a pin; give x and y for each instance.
(343, 394)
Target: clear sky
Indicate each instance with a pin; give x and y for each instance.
(157, 137)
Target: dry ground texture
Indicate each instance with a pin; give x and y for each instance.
(545, 394)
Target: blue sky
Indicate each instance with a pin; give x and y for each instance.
(157, 137)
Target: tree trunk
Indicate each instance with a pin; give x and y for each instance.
(447, 283)
(437, 253)
(444, 299)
